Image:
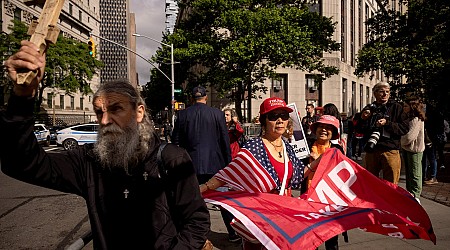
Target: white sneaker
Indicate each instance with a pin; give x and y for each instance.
(418, 200)
(442, 167)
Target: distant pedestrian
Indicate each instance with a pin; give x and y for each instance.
(203, 132)
(167, 127)
(307, 120)
(434, 125)
(413, 145)
(235, 131)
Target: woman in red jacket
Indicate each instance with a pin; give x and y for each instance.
(235, 131)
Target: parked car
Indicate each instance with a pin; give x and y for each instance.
(71, 137)
(42, 134)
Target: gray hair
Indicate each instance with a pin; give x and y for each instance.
(122, 87)
(380, 85)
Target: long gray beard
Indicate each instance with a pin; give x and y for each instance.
(122, 148)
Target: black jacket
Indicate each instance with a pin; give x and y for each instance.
(396, 124)
(203, 132)
(140, 221)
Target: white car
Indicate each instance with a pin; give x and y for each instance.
(73, 136)
(42, 134)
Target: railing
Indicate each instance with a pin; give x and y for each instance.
(251, 129)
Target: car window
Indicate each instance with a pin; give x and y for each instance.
(81, 128)
(38, 128)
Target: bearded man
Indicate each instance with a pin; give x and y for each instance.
(132, 203)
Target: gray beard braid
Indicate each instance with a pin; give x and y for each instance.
(123, 148)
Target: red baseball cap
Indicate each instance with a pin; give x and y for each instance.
(327, 119)
(273, 103)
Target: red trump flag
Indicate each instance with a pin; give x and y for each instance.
(342, 196)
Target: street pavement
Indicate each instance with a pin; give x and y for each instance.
(36, 218)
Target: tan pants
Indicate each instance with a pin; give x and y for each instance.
(389, 161)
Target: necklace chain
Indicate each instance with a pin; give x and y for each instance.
(277, 146)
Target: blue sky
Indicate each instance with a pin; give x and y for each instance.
(150, 21)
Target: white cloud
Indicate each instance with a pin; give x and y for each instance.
(150, 21)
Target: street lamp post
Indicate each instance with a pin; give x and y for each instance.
(172, 69)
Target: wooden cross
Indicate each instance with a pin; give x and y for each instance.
(43, 31)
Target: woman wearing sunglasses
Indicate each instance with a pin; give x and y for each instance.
(267, 162)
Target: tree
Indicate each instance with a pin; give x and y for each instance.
(69, 66)
(416, 45)
(234, 45)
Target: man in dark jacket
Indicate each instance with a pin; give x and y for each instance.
(133, 202)
(203, 132)
(387, 123)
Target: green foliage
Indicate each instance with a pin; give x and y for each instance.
(234, 44)
(69, 66)
(416, 45)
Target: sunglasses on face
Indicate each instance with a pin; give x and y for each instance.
(274, 116)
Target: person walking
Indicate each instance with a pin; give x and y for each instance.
(413, 145)
(235, 131)
(131, 202)
(433, 127)
(203, 132)
(387, 123)
(359, 126)
(307, 120)
(167, 126)
(275, 159)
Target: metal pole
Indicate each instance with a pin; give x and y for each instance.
(172, 69)
(173, 83)
(132, 51)
(53, 98)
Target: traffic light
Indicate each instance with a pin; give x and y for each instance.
(91, 46)
(179, 106)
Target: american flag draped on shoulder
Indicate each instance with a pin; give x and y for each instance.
(342, 196)
(245, 172)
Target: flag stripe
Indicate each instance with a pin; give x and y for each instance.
(246, 173)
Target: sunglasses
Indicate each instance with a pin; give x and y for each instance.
(274, 116)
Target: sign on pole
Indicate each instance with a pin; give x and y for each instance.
(298, 140)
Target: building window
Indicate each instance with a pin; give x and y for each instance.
(343, 31)
(18, 14)
(344, 94)
(81, 103)
(353, 104)
(361, 97)
(310, 84)
(70, 9)
(277, 84)
(80, 15)
(50, 100)
(72, 103)
(352, 33)
(61, 101)
(367, 95)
